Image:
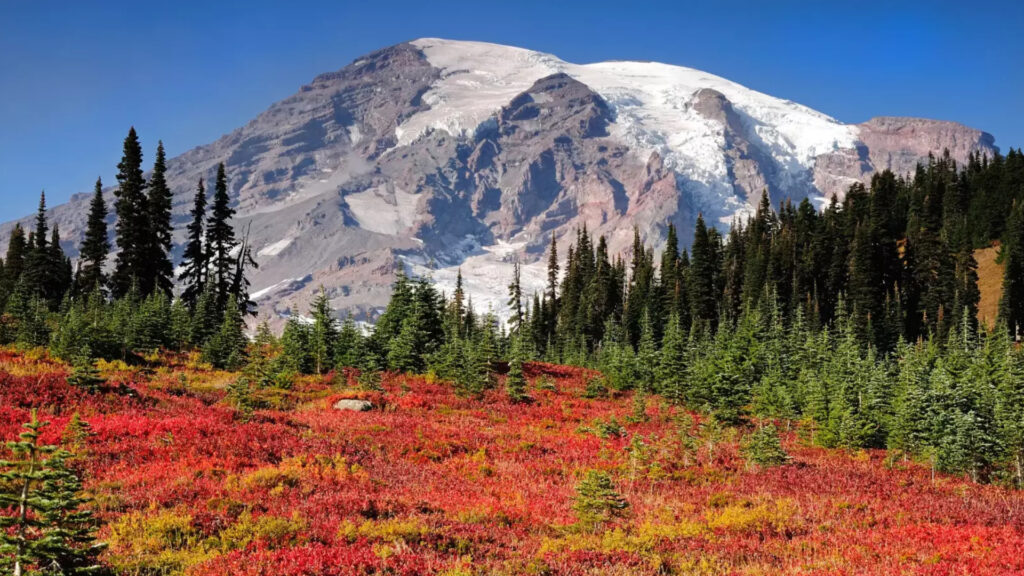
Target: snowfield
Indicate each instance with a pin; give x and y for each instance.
(652, 103)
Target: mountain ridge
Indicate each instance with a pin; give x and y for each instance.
(433, 154)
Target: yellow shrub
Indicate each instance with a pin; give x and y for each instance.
(777, 516)
(271, 530)
(393, 530)
(269, 478)
(109, 366)
(165, 543)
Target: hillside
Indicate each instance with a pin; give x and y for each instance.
(428, 482)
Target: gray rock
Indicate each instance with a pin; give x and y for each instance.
(353, 405)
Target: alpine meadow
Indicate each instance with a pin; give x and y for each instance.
(469, 309)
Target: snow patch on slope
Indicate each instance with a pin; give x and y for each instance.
(486, 276)
(275, 248)
(383, 210)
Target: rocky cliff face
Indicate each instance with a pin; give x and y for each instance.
(437, 154)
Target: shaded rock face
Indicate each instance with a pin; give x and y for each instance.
(336, 189)
(897, 144)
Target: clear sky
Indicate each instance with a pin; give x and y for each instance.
(75, 75)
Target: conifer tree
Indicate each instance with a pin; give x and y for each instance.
(204, 318)
(225, 349)
(96, 245)
(132, 229)
(764, 448)
(672, 366)
(597, 501)
(295, 348)
(62, 277)
(1011, 306)
(195, 258)
(515, 299)
(220, 240)
(14, 264)
(515, 382)
(48, 530)
(402, 353)
(1009, 405)
(551, 297)
(350, 351)
(323, 337)
(239, 279)
(702, 275)
(160, 271)
(45, 266)
(646, 356)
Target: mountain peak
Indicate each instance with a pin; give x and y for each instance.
(436, 154)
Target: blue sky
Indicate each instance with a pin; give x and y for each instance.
(75, 75)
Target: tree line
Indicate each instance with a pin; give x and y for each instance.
(99, 310)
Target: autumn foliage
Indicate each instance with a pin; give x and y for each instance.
(430, 482)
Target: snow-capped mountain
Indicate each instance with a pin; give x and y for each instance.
(439, 154)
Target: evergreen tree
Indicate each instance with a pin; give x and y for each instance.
(225, 349)
(160, 271)
(295, 348)
(239, 279)
(597, 501)
(402, 353)
(763, 447)
(1009, 406)
(647, 357)
(551, 297)
(515, 382)
(47, 530)
(515, 299)
(204, 318)
(96, 246)
(1011, 306)
(672, 366)
(14, 264)
(195, 258)
(133, 228)
(46, 270)
(323, 338)
(702, 275)
(220, 240)
(351, 348)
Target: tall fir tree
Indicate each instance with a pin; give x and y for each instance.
(1011, 306)
(195, 258)
(14, 260)
(220, 240)
(160, 272)
(95, 247)
(323, 337)
(515, 299)
(133, 228)
(702, 275)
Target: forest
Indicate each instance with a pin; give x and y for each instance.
(854, 327)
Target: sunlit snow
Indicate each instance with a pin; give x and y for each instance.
(651, 102)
